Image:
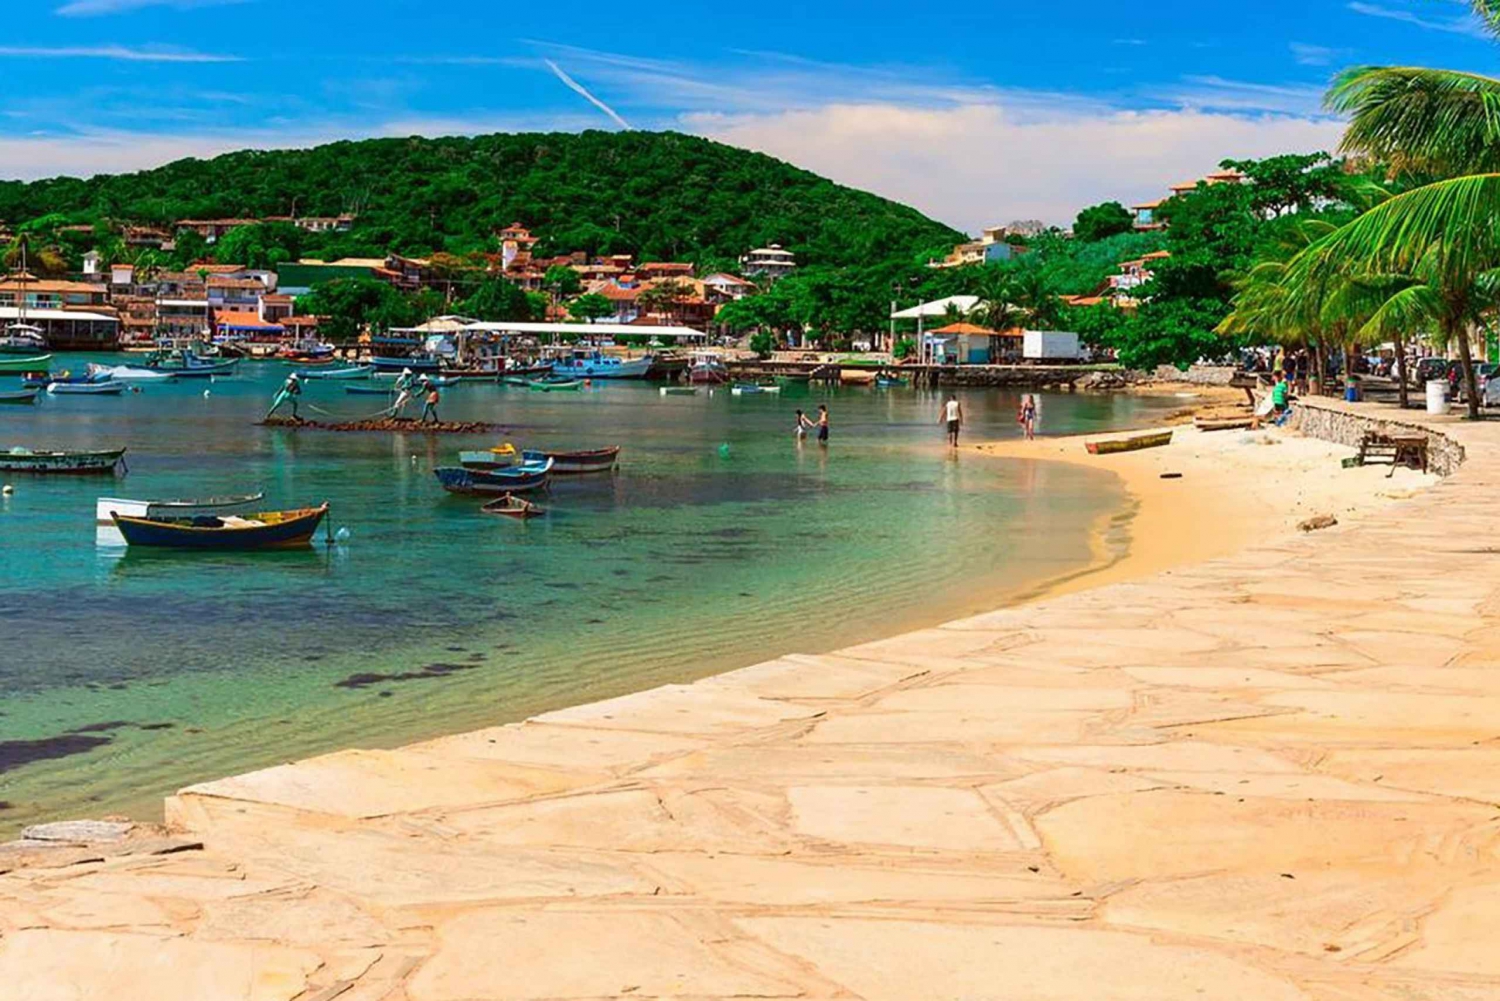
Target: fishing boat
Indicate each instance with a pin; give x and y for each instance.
(890, 382)
(596, 460)
(1223, 423)
(105, 508)
(513, 507)
(19, 396)
(85, 388)
(357, 372)
(190, 366)
(17, 366)
(707, 369)
(515, 380)
(126, 373)
(752, 389)
(457, 480)
(591, 363)
(1134, 443)
(679, 390)
(22, 339)
(266, 530)
(370, 390)
(25, 460)
(547, 386)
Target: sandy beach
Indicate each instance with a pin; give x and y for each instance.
(1260, 768)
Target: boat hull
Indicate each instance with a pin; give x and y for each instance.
(396, 365)
(555, 387)
(457, 480)
(599, 460)
(85, 388)
(61, 463)
(21, 397)
(513, 507)
(1132, 444)
(36, 363)
(291, 529)
(635, 368)
(370, 390)
(357, 372)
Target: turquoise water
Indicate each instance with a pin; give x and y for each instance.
(128, 674)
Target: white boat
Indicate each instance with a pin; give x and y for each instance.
(22, 339)
(85, 388)
(591, 363)
(125, 373)
(154, 510)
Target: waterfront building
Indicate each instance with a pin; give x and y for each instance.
(720, 288)
(212, 229)
(69, 329)
(771, 262)
(990, 248)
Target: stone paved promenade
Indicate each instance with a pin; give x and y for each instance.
(1267, 778)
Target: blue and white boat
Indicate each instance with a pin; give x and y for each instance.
(514, 479)
(357, 372)
(417, 363)
(591, 363)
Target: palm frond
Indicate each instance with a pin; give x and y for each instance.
(1420, 120)
(1444, 232)
(1417, 309)
(1488, 11)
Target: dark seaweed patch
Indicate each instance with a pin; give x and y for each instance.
(114, 724)
(561, 585)
(478, 655)
(428, 672)
(6, 804)
(455, 649)
(15, 753)
(312, 656)
(157, 726)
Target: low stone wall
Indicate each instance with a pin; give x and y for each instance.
(1340, 423)
(1197, 375)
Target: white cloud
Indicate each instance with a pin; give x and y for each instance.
(95, 8)
(116, 52)
(583, 92)
(1317, 55)
(1464, 24)
(977, 165)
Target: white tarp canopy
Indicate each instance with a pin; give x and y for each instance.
(587, 329)
(939, 308)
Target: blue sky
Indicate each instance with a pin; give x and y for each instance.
(976, 113)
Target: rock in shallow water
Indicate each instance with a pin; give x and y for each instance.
(78, 830)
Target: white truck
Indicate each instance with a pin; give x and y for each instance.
(1050, 345)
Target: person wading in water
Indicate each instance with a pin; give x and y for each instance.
(953, 416)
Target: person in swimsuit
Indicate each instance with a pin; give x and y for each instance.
(803, 423)
(953, 415)
(822, 424)
(1027, 416)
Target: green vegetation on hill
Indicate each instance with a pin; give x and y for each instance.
(660, 196)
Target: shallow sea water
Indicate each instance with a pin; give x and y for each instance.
(719, 543)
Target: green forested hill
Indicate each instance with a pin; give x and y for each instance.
(661, 196)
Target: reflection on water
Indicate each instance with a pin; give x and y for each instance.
(692, 558)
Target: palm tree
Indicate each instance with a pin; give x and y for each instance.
(1428, 123)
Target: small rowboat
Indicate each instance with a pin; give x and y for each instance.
(199, 369)
(268, 530)
(18, 365)
(457, 480)
(110, 388)
(679, 390)
(24, 460)
(513, 507)
(565, 386)
(357, 372)
(1222, 423)
(890, 382)
(125, 373)
(598, 460)
(19, 396)
(752, 389)
(515, 380)
(106, 507)
(370, 390)
(1135, 443)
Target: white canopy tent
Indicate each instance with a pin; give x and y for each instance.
(588, 330)
(939, 309)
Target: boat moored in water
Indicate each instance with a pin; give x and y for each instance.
(591, 363)
(19, 396)
(22, 339)
(25, 460)
(555, 386)
(356, 372)
(513, 507)
(523, 477)
(266, 530)
(106, 507)
(595, 460)
(110, 388)
(127, 373)
(18, 366)
(753, 389)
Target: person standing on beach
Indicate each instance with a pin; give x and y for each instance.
(822, 424)
(953, 415)
(1026, 416)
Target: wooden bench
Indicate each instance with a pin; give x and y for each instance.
(1398, 450)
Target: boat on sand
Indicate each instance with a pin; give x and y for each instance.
(1134, 443)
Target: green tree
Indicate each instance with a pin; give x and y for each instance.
(497, 299)
(591, 307)
(562, 280)
(262, 246)
(349, 305)
(1100, 221)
